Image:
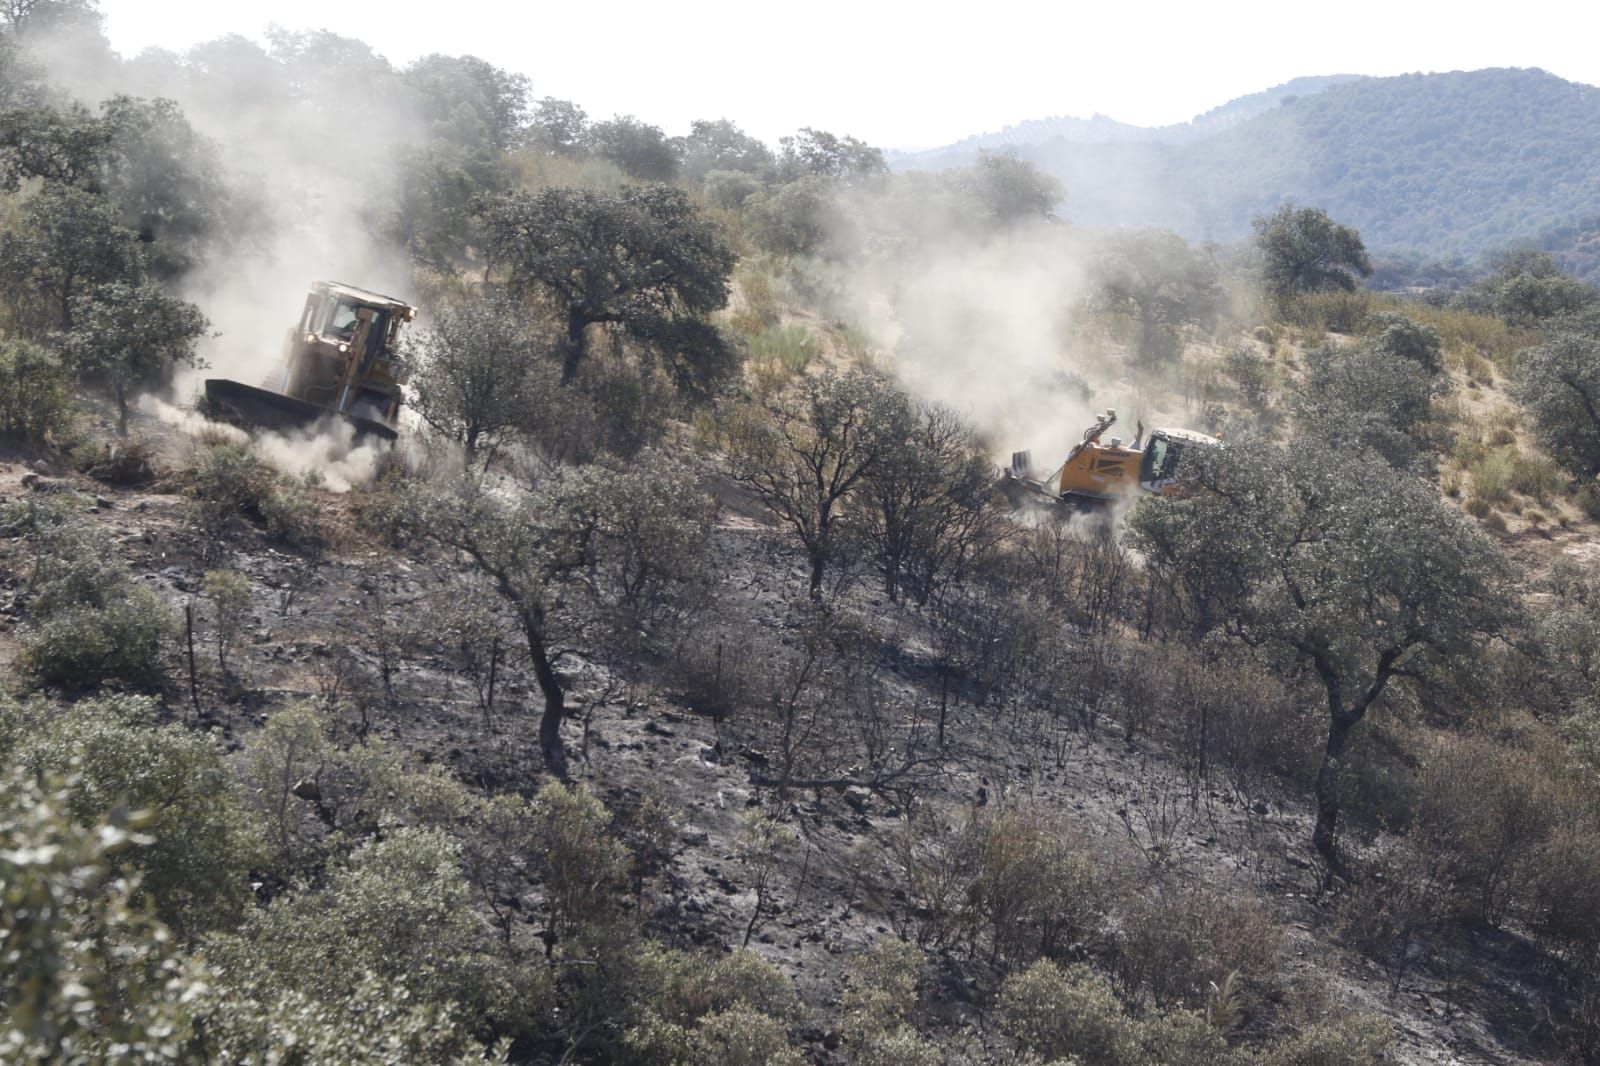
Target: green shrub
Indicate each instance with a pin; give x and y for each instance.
(743, 1037)
(882, 995)
(35, 394)
(1357, 1041)
(88, 621)
(196, 869)
(398, 909)
(1069, 1013)
(93, 978)
(86, 646)
(228, 481)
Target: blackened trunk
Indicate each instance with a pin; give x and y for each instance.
(1325, 836)
(555, 708)
(577, 325)
(818, 562)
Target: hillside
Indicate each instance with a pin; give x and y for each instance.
(1440, 164)
(1102, 129)
(685, 682)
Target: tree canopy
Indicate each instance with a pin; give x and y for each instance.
(1303, 250)
(644, 261)
(1331, 559)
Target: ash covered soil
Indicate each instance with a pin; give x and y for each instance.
(362, 622)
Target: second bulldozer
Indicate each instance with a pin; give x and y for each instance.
(1099, 470)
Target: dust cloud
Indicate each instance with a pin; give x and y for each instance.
(308, 151)
(989, 319)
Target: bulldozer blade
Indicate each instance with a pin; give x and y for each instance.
(253, 406)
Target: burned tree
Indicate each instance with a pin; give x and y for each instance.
(806, 454)
(1358, 572)
(587, 547)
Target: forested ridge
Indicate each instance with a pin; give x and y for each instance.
(1457, 164)
(685, 685)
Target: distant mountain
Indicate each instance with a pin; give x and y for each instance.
(1102, 129)
(1431, 164)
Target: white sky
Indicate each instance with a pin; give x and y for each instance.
(901, 74)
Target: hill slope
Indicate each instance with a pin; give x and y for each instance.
(1439, 164)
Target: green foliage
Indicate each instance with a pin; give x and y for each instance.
(720, 147)
(475, 372)
(35, 394)
(94, 978)
(1067, 1013)
(1529, 290)
(1357, 571)
(196, 868)
(1008, 190)
(1303, 250)
(878, 1009)
(1559, 383)
(731, 1008)
(129, 334)
(822, 154)
(586, 867)
(1356, 1041)
(742, 1037)
(799, 217)
(730, 189)
(66, 241)
(89, 621)
(397, 909)
(1373, 395)
(640, 149)
(559, 126)
(1162, 284)
(229, 593)
(644, 261)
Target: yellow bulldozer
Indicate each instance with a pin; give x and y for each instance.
(341, 361)
(1099, 471)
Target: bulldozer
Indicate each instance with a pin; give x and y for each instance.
(341, 361)
(1099, 471)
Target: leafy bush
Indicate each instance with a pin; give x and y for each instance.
(228, 481)
(1067, 1013)
(89, 621)
(1172, 945)
(119, 641)
(35, 394)
(196, 869)
(397, 909)
(102, 981)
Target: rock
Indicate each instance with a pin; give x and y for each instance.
(39, 466)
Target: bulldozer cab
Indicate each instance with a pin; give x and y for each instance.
(344, 357)
(341, 359)
(1163, 457)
